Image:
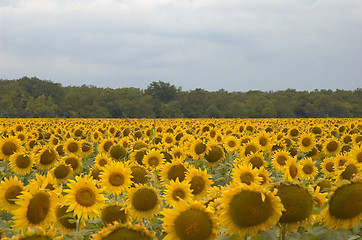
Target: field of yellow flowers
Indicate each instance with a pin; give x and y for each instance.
(181, 179)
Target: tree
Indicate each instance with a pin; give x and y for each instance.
(171, 109)
(41, 107)
(164, 92)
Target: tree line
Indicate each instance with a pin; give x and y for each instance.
(33, 97)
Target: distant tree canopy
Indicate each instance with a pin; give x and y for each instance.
(32, 97)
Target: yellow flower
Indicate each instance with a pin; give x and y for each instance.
(113, 211)
(344, 207)
(36, 207)
(292, 170)
(174, 170)
(189, 221)
(115, 178)
(9, 146)
(177, 191)
(247, 209)
(245, 174)
(123, 231)
(298, 204)
(21, 163)
(215, 155)
(84, 198)
(143, 202)
(10, 190)
(309, 169)
(331, 146)
(72, 146)
(154, 159)
(198, 148)
(37, 233)
(200, 181)
(279, 160)
(306, 142)
(231, 143)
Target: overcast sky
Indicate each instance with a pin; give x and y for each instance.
(237, 45)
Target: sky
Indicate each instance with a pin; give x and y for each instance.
(235, 45)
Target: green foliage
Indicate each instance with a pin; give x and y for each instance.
(32, 97)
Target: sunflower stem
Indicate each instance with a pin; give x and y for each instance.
(78, 223)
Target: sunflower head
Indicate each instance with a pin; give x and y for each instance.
(246, 209)
(189, 221)
(344, 208)
(298, 204)
(143, 202)
(118, 230)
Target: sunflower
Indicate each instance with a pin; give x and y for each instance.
(306, 142)
(10, 190)
(256, 160)
(143, 201)
(349, 170)
(331, 146)
(245, 174)
(21, 163)
(86, 147)
(265, 176)
(176, 190)
(37, 233)
(231, 143)
(115, 178)
(74, 161)
(95, 172)
(249, 148)
(65, 220)
(265, 141)
(53, 140)
(168, 140)
(139, 174)
(356, 154)
(72, 146)
(328, 166)
(309, 169)
(138, 155)
(46, 158)
(96, 136)
(247, 209)
(9, 146)
(279, 160)
(357, 138)
(117, 152)
(178, 152)
(84, 198)
(292, 170)
(215, 155)
(154, 159)
(294, 132)
(200, 181)
(113, 211)
(138, 145)
(174, 170)
(101, 160)
(47, 182)
(298, 204)
(319, 197)
(344, 208)
(61, 172)
(198, 148)
(189, 221)
(123, 231)
(36, 207)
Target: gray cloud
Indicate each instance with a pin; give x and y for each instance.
(211, 44)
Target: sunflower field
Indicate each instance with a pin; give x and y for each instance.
(196, 179)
